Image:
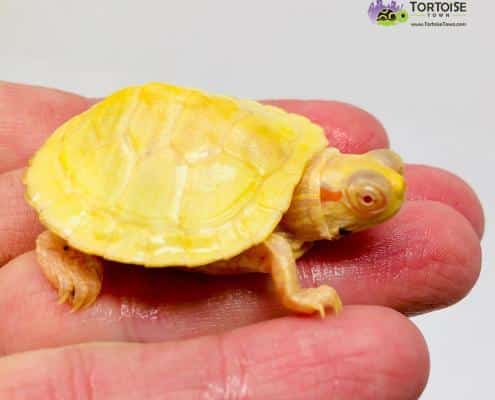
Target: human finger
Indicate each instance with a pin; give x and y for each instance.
(413, 263)
(365, 353)
(431, 183)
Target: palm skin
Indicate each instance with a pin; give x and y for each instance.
(171, 334)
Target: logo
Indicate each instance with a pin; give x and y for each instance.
(420, 13)
(387, 14)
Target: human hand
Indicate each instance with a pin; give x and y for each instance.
(204, 335)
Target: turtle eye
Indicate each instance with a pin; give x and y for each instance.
(372, 199)
(367, 199)
(403, 16)
(368, 193)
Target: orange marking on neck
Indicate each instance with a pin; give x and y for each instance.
(329, 195)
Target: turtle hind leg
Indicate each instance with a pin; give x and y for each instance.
(77, 276)
(284, 273)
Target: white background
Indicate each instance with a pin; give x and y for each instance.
(432, 88)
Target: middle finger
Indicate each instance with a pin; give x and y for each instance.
(412, 263)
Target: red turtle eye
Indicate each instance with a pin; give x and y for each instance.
(367, 199)
(367, 193)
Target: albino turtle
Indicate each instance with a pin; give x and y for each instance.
(162, 176)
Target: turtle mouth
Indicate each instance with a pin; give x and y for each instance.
(344, 232)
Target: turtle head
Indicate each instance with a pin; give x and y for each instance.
(360, 191)
(344, 193)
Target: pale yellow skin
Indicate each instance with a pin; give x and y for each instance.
(164, 176)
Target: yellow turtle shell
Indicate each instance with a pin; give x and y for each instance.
(160, 175)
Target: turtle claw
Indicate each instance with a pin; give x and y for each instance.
(76, 276)
(63, 297)
(84, 296)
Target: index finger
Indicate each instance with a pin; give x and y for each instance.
(28, 114)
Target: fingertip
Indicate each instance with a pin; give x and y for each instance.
(427, 257)
(450, 252)
(365, 352)
(349, 128)
(397, 339)
(393, 347)
(455, 254)
(403, 344)
(432, 183)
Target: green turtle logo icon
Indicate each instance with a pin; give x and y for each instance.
(389, 17)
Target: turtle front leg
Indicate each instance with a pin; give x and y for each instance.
(76, 276)
(284, 273)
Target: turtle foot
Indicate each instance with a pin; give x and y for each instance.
(286, 280)
(315, 300)
(77, 276)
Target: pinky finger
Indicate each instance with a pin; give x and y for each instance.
(364, 353)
